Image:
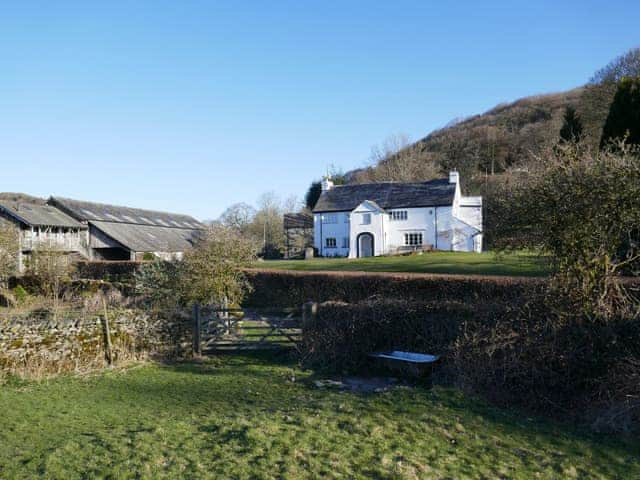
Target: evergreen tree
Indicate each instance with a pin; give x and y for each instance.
(571, 130)
(624, 113)
(313, 194)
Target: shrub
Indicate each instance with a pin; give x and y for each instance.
(20, 294)
(158, 284)
(582, 209)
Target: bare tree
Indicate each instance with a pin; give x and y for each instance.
(238, 216)
(397, 159)
(51, 267)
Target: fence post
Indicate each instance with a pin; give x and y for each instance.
(309, 313)
(197, 345)
(106, 334)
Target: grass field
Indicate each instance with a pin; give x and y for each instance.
(433, 262)
(259, 417)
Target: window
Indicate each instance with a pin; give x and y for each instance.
(366, 219)
(345, 242)
(330, 242)
(330, 218)
(399, 215)
(412, 239)
(346, 218)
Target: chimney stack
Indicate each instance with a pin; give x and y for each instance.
(327, 184)
(454, 177)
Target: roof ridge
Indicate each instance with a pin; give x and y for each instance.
(110, 205)
(391, 182)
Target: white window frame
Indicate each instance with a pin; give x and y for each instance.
(329, 218)
(330, 242)
(399, 215)
(366, 219)
(413, 239)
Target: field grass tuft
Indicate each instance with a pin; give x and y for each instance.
(260, 417)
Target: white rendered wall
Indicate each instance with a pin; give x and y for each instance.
(419, 220)
(339, 231)
(375, 228)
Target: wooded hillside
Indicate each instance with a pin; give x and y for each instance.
(509, 138)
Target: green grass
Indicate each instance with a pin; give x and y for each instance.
(245, 417)
(459, 263)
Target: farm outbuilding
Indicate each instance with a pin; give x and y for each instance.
(124, 233)
(44, 227)
(298, 233)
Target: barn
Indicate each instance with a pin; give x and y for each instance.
(125, 233)
(44, 227)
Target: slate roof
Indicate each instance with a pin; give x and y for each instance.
(98, 212)
(387, 195)
(149, 238)
(39, 215)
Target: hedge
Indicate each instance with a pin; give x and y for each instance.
(273, 288)
(514, 354)
(107, 270)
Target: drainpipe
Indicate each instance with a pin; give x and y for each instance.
(436, 214)
(321, 235)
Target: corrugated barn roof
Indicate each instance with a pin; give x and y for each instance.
(149, 238)
(92, 212)
(39, 215)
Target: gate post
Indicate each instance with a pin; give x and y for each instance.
(309, 313)
(197, 344)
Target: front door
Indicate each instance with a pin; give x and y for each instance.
(365, 245)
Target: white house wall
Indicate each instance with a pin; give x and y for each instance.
(419, 220)
(338, 230)
(376, 228)
(445, 225)
(456, 227)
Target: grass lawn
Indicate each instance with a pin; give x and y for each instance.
(244, 417)
(433, 262)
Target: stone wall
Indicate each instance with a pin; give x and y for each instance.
(37, 345)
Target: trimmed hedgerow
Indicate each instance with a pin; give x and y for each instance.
(288, 288)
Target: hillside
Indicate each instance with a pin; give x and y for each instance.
(509, 137)
(21, 198)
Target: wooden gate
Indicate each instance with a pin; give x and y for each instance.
(217, 330)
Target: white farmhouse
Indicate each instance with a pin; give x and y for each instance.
(385, 218)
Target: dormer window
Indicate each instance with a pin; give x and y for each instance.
(399, 215)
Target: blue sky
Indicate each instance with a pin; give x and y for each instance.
(190, 106)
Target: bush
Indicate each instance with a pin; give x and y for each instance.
(20, 294)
